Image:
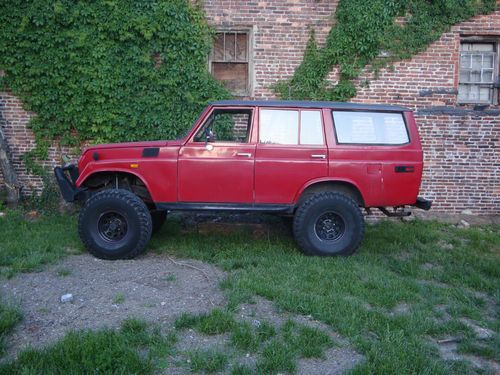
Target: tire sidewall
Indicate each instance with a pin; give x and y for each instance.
(89, 219)
(339, 205)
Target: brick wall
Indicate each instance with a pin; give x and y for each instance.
(462, 161)
(462, 168)
(280, 31)
(13, 121)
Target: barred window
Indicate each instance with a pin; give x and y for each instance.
(478, 73)
(230, 61)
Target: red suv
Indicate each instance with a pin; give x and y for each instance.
(318, 161)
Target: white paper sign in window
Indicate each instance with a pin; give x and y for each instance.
(279, 127)
(370, 128)
(311, 128)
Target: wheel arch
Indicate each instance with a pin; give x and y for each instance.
(348, 188)
(99, 179)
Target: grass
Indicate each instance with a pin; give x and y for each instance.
(438, 272)
(134, 349)
(170, 277)
(213, 323)
(63, 272)
(9, 316)
(119, 298)
(28, 245)
(207, 361)
(277, 351)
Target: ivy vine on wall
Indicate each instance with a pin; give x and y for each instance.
(106, 71)
(365, 28)
(124, 70)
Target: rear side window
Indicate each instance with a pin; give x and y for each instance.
(311, 128)
(377, 128)
(291, 127)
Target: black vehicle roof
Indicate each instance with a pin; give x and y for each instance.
(312, 104)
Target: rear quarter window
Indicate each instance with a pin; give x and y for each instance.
(373, 128)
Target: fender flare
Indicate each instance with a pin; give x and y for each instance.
(321, 180)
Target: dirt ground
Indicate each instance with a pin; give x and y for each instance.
(154, 288)
(105, 293)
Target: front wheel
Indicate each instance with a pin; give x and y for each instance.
(115, 224)
(328, 224)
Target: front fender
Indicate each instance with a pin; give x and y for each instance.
(122, 167)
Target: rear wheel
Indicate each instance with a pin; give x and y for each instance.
(115, 224)
(328, 224)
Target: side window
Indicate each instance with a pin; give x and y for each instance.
(311, 128)
(291, 127)
(370, 128)
(231, 125)
(279, 127)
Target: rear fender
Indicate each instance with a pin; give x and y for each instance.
(325, 181)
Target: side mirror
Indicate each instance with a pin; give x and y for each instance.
(210, 136)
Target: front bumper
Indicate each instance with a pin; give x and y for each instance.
(66, 179)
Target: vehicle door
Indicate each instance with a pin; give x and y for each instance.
(216, 165)
(291, 151)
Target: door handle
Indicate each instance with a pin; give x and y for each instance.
(245, 154)
(318, 156)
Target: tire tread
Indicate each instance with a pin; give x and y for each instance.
(137, 205)
(300, 217)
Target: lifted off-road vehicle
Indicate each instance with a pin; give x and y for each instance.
(318, 161)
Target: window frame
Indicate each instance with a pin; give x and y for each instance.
(495, 94)
(249, 90)
(371, 144)
(208, 117)
(299, 111)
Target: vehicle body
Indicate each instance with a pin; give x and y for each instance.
(265, 156)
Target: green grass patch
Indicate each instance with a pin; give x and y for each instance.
(63, 272)
(440, 272)
(242, 370)
(207, 361)
(27, 245)
(277, 357)
(134, 349)
(119, 299)
(9, 317)
(309, 342)
(214, 323)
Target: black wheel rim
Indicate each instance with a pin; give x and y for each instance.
(112, 226)
(329, 226)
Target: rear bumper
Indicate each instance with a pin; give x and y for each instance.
(423, 204)
(66, 177)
